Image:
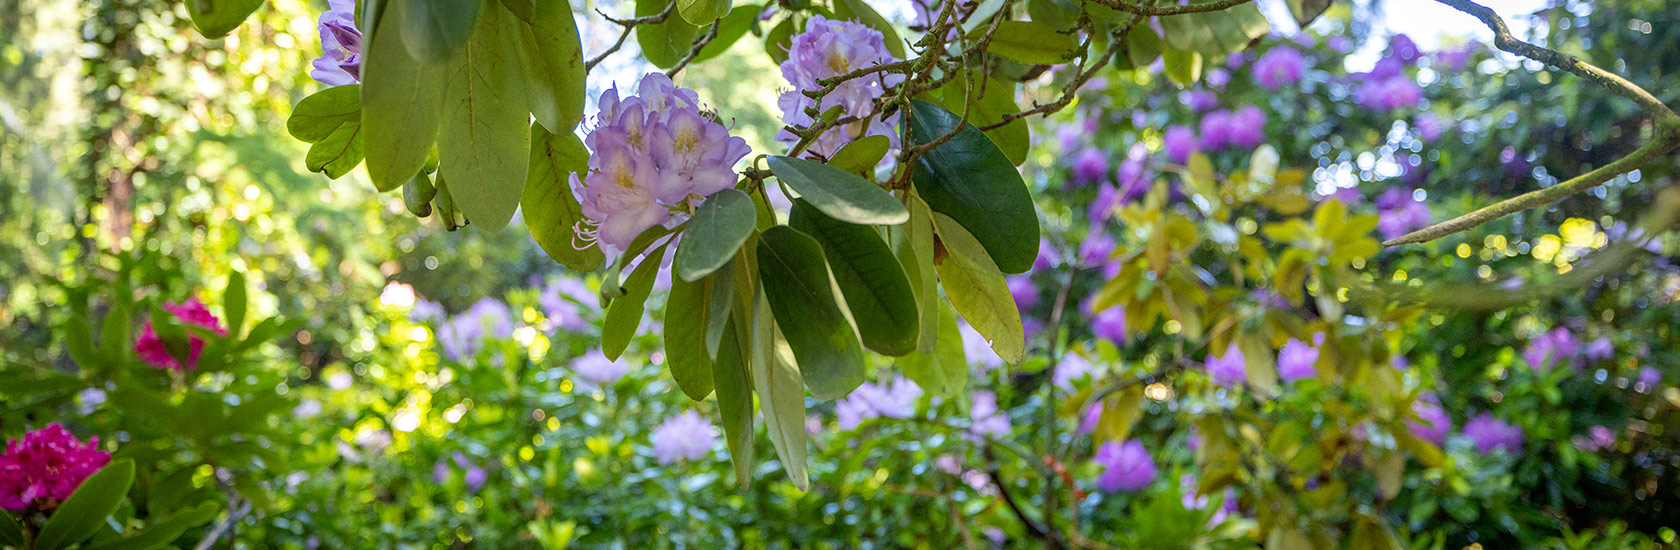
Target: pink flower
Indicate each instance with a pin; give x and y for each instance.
(151, 349)
(49, 463)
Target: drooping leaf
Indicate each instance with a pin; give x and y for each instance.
(969, 179)
(862, 155)
(995, 99)
(917, 256)
(838, 193)
(402, 102)
(664, 44)
(1183, 67)
(1143, 46)
(731, 375)
(553, 57)
(624, 315)
(876, 290)
(1030, 42)
(720, 307)
(781, 392)
(233, 302)
(686, 318)
(339, 153)
(315, 117)
(702, 12)
(716, 231)
(435, 31)
(797, 283)
(485, 139)
(945, 371)
(84, 512)
(161, 532)
(978, 290)
(859, 11)
(550, 209)
(1305, 11)
(215, 18)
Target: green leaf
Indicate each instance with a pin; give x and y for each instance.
(11, 534)
(162, 532)
(664, 44)
(216, 18)
(978, 290)
(485, 137)
(917, 255)
(876, 290)
(719, 227)
(801, 294)
(339, 153)
(624, 315)
(1030, 42)
(1014, 139)
(1142, 45)
(780, 39)
(862, 155)
(1059, 14)
(1216, 33)
(173, 336)
(972, 181)
(838, 193)
(1183, 67)
(78, 340)
(435, 31)
(402, 103)
(719, 309)
(734, 26)
(781, 392)
(859, 11)
(686, 319)
(550, 210)
(317, 116)
(233, 302)
(84, 512)
(116, 338)
(1305, 11)
(945, 371)
(702, 12)
(731, 376)
(553, 57)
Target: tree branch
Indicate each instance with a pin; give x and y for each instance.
(629, 25)
(694, 50)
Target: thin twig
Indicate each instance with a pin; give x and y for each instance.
(629, 25)
(694, 50)
(1116, 41)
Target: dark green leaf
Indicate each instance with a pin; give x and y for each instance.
(915, 253)
(664, 44)
(972, 181)
(78, 340)
(485, 137)
(978, 290)
(339, 153)
(402, 102)
(173, 336)
(116, 338)
(781, 392)
(702, 12)
(624, 315)
(1142, 46)
(435, 31)
(859, 11)
(686, 319)
(869, 276)
(862, 155)
(523, 9)
(11, 534)
(164, 531)
(554, 58)
(233, 302)
(730, 374)
(716, 231)
(215, 18)
(801, 294)
(1030, 42)
(317, 116)
(84, 512)
(838, 193)
(998, 100)
(718, 310)
(1059, 14)
(550, 210)
(780, 39)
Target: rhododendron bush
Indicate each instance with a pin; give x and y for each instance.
(1036, 273)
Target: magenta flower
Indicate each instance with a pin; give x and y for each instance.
(827, 49)
(1179, 142)
(1230, 369)
(1489, 433)
(894, 399)
(1126, 466)
(151, 349)
(986, 418)
(1297, 359)
(1433, 423)
(341, 46)
(1280, 67)
(1090, 165)
(686, 436)
(46, 464)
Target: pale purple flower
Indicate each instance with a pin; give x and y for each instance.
(1597, 438)
(1455, 60)
(1489, 433)
(686, 436)
(1649, 378)
(1432, 424)
(1073, 367)
(1179, 142)
(1430, 126)
(1195, 501)
(464, 335)
(1110, 324)
(1389, 94)
(830, 48)
(1201, 100)
(341, 46)
(1046, 258)
(1219, 77)
(1126, 466)
(1402, 47)
(1279, 68)
(563, 301)
(1025, 292)
(46, 464)
(1600, 349)
(1399, 213)
(1244, 128)
(1090, 165)
(1297, 359)
(1215, 130)
(987, 418)
(894, 399)
(426, 311)
(1229, 369)
(1093, 415)
(1550, 349)
(1097, 248)
(595, 370)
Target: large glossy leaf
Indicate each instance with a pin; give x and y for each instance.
(402, 102)
(702, 12)
(838, 193)
(945, 371)
(11, 534)
(996, 99)
(720, 307)
(624, 315)
(1031, 42)
(801, 293)
(779, 40)
(876, 290)
(686, 318)
(664, 44)
(215, 18)
(716, 231)
(978, 290)
(233, 303)
(859, 11)
(550, 209)
(160, 532)
(972, 181)
(734, 26)
(781, 392)
(862, 155)
(315, 117)
(84, 512)
(485, 138)
(554, 60)
(435, 31)
(731, 375)
(916, 253)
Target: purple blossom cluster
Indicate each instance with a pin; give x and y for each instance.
(46, 464)
(1090, 165)
(1126, 466)
(1244, 128)
(985, 416)
(1488, 433)
(1280, 67)
(1552, 348)
(594, 370)
(152, 350)
(464, 335)
(653, 153)
(1229, 369)
(341, 46)
(1387, 87)
(1399, 213)
(1298, 359)
(1179, 143)
(894, 399)
(686, 436)
(1432, 424)
(827, 49)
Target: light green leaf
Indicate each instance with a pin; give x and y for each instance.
(402, 102)
(485, 139)
(917, 258)
(801, 293)
(719, 309)
(1216, 33)
(781, 392)
(876, 290)
(686, 319)
(664, 44)
(862, 155)
(972, 181)
(1030, 42)
(838, 193)
(233, 302)
(716, 231)
(550, 210)
(78, 340)
(1014, 139)
(418, 193)
(859, 11)
(945, 371)
(978, 290)
(163, 531)
(553, 57)
(215, 18)
(702, 12)
(317, 116)
(1142, 46)
(1183, 67)
(624, 315)
(116, 338)
(84, 512)
(779, 40)
(339, 153)
(435, 31)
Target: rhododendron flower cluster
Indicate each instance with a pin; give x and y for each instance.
(1433, 423)
(1280, 67)
(1554, 347)
(1244, 128)
(1090, 165)
(986, 418)
(1126, 466)
(1229, 369)
(1489, 433)
(1179, 142)
(341, 46)
(894, 399)
(1297, 359)
(686, 436)
(1399, 213)
(49, 463)
(465, 333)
(828, 49)
(594, 369)
(654, 153)
(152, 350)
